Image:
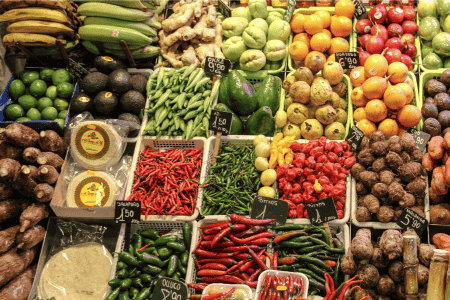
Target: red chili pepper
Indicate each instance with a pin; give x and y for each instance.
(224, 223)
(234, 227)
(220, 235)
(321, 159)
(291, 284)
(274, 265)
(332, 157)
(252, 284)
(253, 237)
(288, 235)
(258, 260)
(365, 297)
(300, 210)
(214, 266)
(236, 249)
(345, 145)
(195, 297)
(282, 170)
(210, 272)
(254, 275)
(243, 220)
(311, 162)
(338, 149)
(224, 261)
(208, 254)
(351, 291)
(198, 286)
(299, 160)
(207, 244)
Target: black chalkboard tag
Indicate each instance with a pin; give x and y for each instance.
(224, 9)
(354, 137)
(348, 60)
(322, 211)
(270, 208)
(421, 138)
(76, 69)
(409, 219)
(290, 10)
(169, 289)
(220, 121)
(360, 9)
(127, 212)
(216, 65)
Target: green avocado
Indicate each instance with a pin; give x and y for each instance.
(261, 122)
(242, 100)
(236, 123)
(224, 94)
(267, 93)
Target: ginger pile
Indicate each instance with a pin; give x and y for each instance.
(190, 34)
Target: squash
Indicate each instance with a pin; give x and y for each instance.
(440, 214)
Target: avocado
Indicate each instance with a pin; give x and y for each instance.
(444, 119)
(432, 126)
(94, 83)
(267, 93)
(236, 123)
(442, 101)
(119, 81)
(80, 102)
(224, 94)
(445, 77)
(139, 83)
(107, 64)
(435, 87)
(132, 119)
(242, 100)
(261, 122)
(132, 101)
(105, 102)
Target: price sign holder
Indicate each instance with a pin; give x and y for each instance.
(290, 10)
(354, 137)
(76, 69)
(220, 123)
(409, 219)
(360, 9)
(270, 208)
(321, 212)
(421, 138)
(348, 60)
(224, 9)
(128, 212)
(217, 66)
(169, 289)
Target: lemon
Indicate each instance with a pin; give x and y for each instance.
(267, 191)
(262, 150)
(268, 177)
(258, 139)
(261, 164)
(240, 294)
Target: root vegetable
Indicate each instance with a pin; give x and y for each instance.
(417, 187)
(428, 163)
(425, 253)
(20, 287)
(405, 156)
(372, 203)
(435, 198)
(5, 191)
(48, 174)
(361, 246)
(50, 141)
(348, 264)
(376, 136)
(8, 169)
(422, 273)
(11, 208)
(408, 143)
(14, 262)
(2, 134)
(369, 276)
(43, 192)
(396, 271)
(440, 214)
(379, 190)
(394, 144)
(387, 177)
(400, 291)
(391, 242)
(30, 171)
(361, 189)
(379, 148)
(21, 135)
(50, 158)
(408, 200)
(365, 157)
(7, 238)
(356, 170)
(358, 294)
(24, 184)
(397, 213)
(396, 192)
(32, 215)
(442, 241)
(379, 260)
(30, 238)
(364, 144)
(9, 151)
(363, 214)
(369, 178)
(31, 154)
(379, 165)
(417, 156)
(410, 171)
(385, 214)
(393, 160)
(386, 285)
(419, 210)
(436, 148)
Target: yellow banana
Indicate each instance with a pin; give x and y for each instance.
(40, 27)
(53, 4)
(28, 39)
(35, 13)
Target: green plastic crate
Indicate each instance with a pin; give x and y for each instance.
(310, 11)
(424, 77)
(419, 54)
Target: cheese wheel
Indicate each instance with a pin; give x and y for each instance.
(95, 145)
(91, 189)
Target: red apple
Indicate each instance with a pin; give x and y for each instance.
(394, 29)
(395, 15)
(408, 38)
(375, 45)
(362, 40)
(410, 27)
(407, 61)
(381, 31)
(394, 42)
(392, 55)
(410, 50)
(409, 13)
(378, 14)
(363, 56)
(363, 26)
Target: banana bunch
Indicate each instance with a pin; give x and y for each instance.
(134, 21)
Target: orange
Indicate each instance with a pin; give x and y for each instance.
(409, 116)
(298, 50)
(394, 97)
(359, 114)
(320, 42)
(303, 37)
(341, 26)
(338, 45)
(325, 17)
(376, 110)
(313, 24)
(408, 91)
(398, 72)
(315, 61)
(345, 8)
(358, 98)
(357, 76)
(332, 57)
(327, 32)
(297, 23)
(367, 126)
(374, 87)
(376, 65)
(401, 131)
(388, 127)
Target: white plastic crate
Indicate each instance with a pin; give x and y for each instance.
(283, 273)
(163, 144)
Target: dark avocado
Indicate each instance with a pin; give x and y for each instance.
(80, 102)
(119, 81)
(429, 110)
(444, 118)
(442, 101)
(132, 119)
(434, 87)
(105, 102)
(139, 83)
(132, 101)
(432, 126)
(430, 100)
(107, 64)
(445, 77)
(94, 83)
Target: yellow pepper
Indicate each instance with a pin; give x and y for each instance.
(276, 139)
(286, 142)
(289, 157)
(317, 186)
(273, 158)
(281, 153)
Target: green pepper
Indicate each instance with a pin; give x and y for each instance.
(163, 240)
(165, 263)
(134, 273)
(179, 247)
(164, 252)
(132, 251)
(150, 250)
(137, 241)
(176, 276)
(150, 233)
(146, 278)
(150, 259)
(125, 295)
(122, 274)
(114, 282)
(125, 284)
(121, 265)
(128, 259)
(184, 258)
(149, 269)
(181, 268)
(187, 235)
(137, 283)
(114, 294)
(133, 292)
(143, 294)
(173, 263)
(149, 242)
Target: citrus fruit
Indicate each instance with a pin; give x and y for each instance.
(341, 26)
(359, 114)
(315, 61)
(38, 88)
(65, 89)
(33, 114)
(23, 119)
(62, 114)
(357, 76)
(267, 191)
(409, 116)
(398, 72)
(324, 17)
(60, 122)
(338, 45)
(43, 103)
(374, 87)
(27, 102)
(320, 42)
(60, 104)
(388, 127)
(298, 50)
(375, 65)
(408, 91)
(358, 98)
(313, 24)
(46, 75)
(327, 32)
(14, 111)
(303, 37)
(51, 92)
(345, 8)
(367, 126)
(16, 88)
(60, 76)
(49, 113)
(29, 77)
(376, 110)
(297, 23)
(394, 97)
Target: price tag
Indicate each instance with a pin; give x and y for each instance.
(421, 138)
(409, 219)
(360, 9)
(348, 60)
(270, 208)
(354, 137)
(290, 10)
(215, 65)
(220, 121)
(127, 212)
(76, 69)
(322, 211)
(224, 9)
(169, 289)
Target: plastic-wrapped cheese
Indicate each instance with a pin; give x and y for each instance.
(92, 189)
(95, 145)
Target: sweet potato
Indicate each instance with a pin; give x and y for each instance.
(394, 161)
(386, 285)
(30, 154)
(369, 178)
(50, 158)
(21, 135)
(9, 151)
(379, 260)
(428, 163)
(348, 264)
(391, 242)
(369, 276)
(396, 271)
(8, 169)
(43, 192)
(32, 215)
(385, 214)
(426, 253)
(441, 240)
(11, 208)
(5, 191)
(446, 142)
(447, 173)
(410, 171)
(30, 238)
(434, 197)
(14, 262)
(365, 157)
(440, 214)
(361, 246)
(50, 141)
(422, 273)
(436, 147)
(48, 174)
(7, 238)
(363, 214)
(20, 287)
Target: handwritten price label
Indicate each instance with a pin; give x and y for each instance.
(215, 65)
(354, 137)
(409, 219)
(289, 10)
(322, 211)
(421, 138)
(360, 9)
(270, 208)
(128, 212)
(220, 121)
(348, 60)
(169, 289)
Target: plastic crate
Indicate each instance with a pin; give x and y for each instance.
(419, 53)
(162, 144)
(310, 11)
(284, 273)
(423, 79)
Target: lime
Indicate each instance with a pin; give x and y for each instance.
(51, 92)
(60, 76)
(21, 119)
(16, 88)
(49, 113)
(34, 114)
(29, 77)
(27, 102)
(60, 122)
(21, 74)
(43, 103)
(65, 90)
(46, 75)
(62, 114)
(60, 104)
(38, 88)
(14, 111)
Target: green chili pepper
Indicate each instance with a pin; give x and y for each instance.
(121, 265)
(128, 259)
(133, 292)
(114, 282)
(114, 294)
(122, 274)
(125, 284)
(187, 235)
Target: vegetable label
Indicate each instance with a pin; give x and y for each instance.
(127, 212)
(224, 9)
(348, 60)
(76, 69)
(169, 289)
(322, 211)
(290, 10)
(421, 138)
(270, 208)
(360, 9)
(220, 121)
(216, 65)
(354, 137)
(409, 219)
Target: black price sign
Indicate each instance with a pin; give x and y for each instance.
(169, 289)
(360, 9)
(409, 219)
(220, 121)
(270, 208)
(322, 211)
(348, 60)
(354, 137)
(76, 69)
(289, 10)
(421, 138)
(224, 9)
(127, 212)
(215, 65)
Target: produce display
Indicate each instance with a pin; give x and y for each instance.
(215, 291)
(292, 287)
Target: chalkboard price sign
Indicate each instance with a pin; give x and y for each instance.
(224, 9)
(169, 289)
(220, 121)
(354, 137)
(270, 208)
(409, 219)
(76, 69)
(127, 212)
(322, 211)
(215, 65)
(421, 138)
(348, 60)
(360, 9)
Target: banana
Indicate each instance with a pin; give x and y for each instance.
(144, 52)
(40, 27)
(149, 5)
(96, 9)
(28, 39)
(104, 33)
(125, 3)
(153, 22)
(35, 13)
(54, 4)
(142, 28)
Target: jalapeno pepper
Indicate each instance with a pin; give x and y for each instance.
(187, 235)
(128, 259)
(114, 294)
(171, 268)
(150, 233)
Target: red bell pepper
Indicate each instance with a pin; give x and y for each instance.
(316, 152)
(347, 154)
(287, 189)
(322, 159)
(297, 198)
(282, 182)
(307, 171)
(311, 162)
(345, 146)
(340, 214)
(328, 169)
(329, 146)
(338, 149)
(292, 214)
(282, 170)
(322, 141)
(311, 178)
(291, 174)
(296, 188)
(332, 157)
(323, 180)
(309, 188)
(327, 188)
(300, 210)
(297, 147)
(299, 160)
(349, 162)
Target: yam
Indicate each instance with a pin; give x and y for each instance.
(435, 198)
(21, 135)
(361, 246)
(379, 148)
(30, 238)
(410, 171)
(394, 144)
(43, 192)
(361, 189)
(393, 160)
(386, 285)
(395, 271)
(405, 156)
(385, 214)
(379, 190)
(20, 287)
(348, 264)
(408, 200)
(436, 147)
(32, 215)
(363, 214)
(417, 156)
(31, 154)
(369, 276)
(14, 262)
(372, 203)
(408, 143)
(379, 260)
(5, 191)
(9, 151)
(438, 183)
(358, 294)
(11, 208)
(417, 187)
(418, 210)
(428, 163)
(446, 142)
(379, 165)
(48, 174)
(356, 170)
(50, 158)
(400, 291)
(376, 136)
(387, 177)
(369, 178)
(363, 145)
(365, 158)
(391, 242)
(24, 184)
(50, 141)
(396, 192)
(7, 238)
(422, 273)
(8, 169)
(30, 171)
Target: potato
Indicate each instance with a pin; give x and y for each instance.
(436, 147)
(394, 161)
(369, 178)
(385, 214)
(379, 190)
(379, 260)
(386, 285)
(408, 143)
(394, 144)
(361, 246)
(369, 276)
(426, 253)
(391, 242)
(356, 170)
(387, 177)
(365, 158)
(9, 151)
(422, 274)
(21, 135)
(379, 165)
(396, 192)
(410, 171)
(396, 271)
(363, 214)
(348, 264)
(379, 148)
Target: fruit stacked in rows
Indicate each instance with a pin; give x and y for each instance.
(383, 100)
(321, 33)
(40, 96)
(391, 32)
